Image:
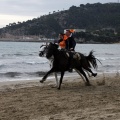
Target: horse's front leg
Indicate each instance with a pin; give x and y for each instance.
(61, 78)
(45, 77)
(56, 78)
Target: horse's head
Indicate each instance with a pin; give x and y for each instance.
(51, 50)
(43, 49)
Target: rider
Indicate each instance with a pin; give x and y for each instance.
(70, 46)
(70, 42)
(62, 40)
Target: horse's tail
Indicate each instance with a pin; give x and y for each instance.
(91, 59)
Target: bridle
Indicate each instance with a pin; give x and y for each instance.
(42, 51)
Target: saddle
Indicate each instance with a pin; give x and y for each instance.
(76, 56)
(72, 54)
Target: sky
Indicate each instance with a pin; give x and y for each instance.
(23, 10)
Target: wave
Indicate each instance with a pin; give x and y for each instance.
(32, 63)
(114, 58)
(109, 54)
(111, 58)
(108, 66)
(20, 74)
(102, 59)
(2, 66)
(23, 66)
(16, 54)
(38, 73)
(10, 74)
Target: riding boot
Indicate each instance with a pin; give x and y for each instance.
(69, 63)
(70, 70)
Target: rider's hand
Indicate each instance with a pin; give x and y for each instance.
(71, 49)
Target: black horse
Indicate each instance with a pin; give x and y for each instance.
(76, 60)
(42, 53)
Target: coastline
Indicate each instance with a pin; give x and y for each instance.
(31, 100)
(37, 40)
(22, 40)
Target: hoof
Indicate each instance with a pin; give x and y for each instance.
(58, 88)
(87, 84)
(95, 74)
(70, 70)
(41, 81)
(54, 86)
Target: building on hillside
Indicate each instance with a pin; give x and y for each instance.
(76, 30)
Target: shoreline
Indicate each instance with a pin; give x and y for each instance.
(27, 83)
(50, 80)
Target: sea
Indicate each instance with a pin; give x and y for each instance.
(21, 61)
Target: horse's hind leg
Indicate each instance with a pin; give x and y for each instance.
(80, 75)
(83, 73)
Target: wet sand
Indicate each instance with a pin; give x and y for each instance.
(75, 101)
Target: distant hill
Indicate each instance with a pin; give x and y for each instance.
(90, 17)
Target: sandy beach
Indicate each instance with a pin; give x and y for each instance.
(31, 100)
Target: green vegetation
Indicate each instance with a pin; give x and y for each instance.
(101, 21)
